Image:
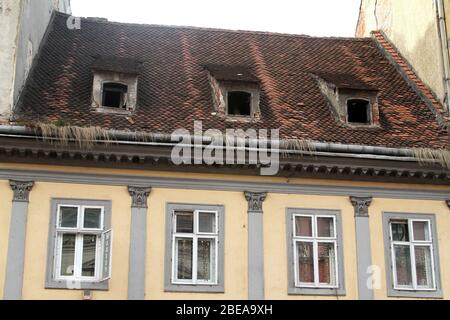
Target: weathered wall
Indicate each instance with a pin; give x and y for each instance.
(9, 23)
(412, 27)
(23, 24)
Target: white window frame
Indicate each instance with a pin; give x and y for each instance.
(412, 244)
(195, 236)
(79, 232)
(315, 240)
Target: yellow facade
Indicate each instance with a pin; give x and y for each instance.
(236, 235)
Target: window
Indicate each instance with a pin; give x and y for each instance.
(314, 252)
(239, 103)
(358, 111)
(115, 95)
(412, 254)
(196, 249)
(81, 245)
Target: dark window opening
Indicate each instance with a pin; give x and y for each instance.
(115, 95)
(239, 103)
(358, 111)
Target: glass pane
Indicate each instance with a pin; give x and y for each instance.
(327, 260)
(303, 226)
(68, 217)
(207, 222)
(421, 231)
(305, 262)
(92, 218)
(185, 222)
(400, 231)
(325, 227)
(403, 265)
(206, 260)
(68, 255)
(184, 258)
(89, 250)
(424, 267)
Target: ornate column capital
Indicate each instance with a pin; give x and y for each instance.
(139, 196)
(21, 190)
(255, 200)
(361, 205)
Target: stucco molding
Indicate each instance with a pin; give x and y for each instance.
(139, 196)
(222, 185)
(361, 205)
(255, 201)
(21, 190)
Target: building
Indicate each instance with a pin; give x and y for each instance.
(22, 26)
(418, 30)
(106, 194)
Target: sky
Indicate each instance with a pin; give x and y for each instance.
(310, 17)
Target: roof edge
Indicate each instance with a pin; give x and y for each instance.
(410, 75)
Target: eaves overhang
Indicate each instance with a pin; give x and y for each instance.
(322, 161)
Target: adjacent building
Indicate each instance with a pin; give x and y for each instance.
(22, 27)
(419, 31)
(156, 162)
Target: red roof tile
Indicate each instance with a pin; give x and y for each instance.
(174, 90)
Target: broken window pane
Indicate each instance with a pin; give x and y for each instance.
(358, 111)
(114, 95)
(239, 103)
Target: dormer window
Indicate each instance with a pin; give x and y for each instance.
(115, 85)
(352, 101)
(236, 93)
(115, 95)
(239, 103)
(358, 111)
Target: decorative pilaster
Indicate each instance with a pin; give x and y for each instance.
(136, 275)
(17, 236)
(255, 201)
(21, 190)
(361, 206)
(255, 245)
(139, 196)
(363, 246)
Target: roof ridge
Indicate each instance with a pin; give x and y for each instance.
(212, 29)
(412, 78)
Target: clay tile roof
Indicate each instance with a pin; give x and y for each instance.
(174, 86)
(232, 73)
(346, 81)
(116, 64)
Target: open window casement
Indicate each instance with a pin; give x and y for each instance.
(107, 238)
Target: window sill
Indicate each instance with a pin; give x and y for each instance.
(113, 111)
(316, 292)
(194, 288)
(68, 285)
(415, 294)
